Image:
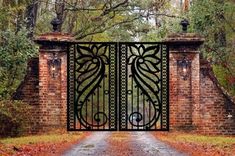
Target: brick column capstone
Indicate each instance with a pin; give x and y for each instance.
(52, 81)
(184, 93)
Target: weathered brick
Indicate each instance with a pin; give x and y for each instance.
(196, 104)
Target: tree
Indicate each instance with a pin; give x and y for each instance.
(84, 19)
(31, 16)
(15, 50)
(88, 20)
(215, 20)
(15, 46)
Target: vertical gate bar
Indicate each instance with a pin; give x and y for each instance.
(116, 85)
(74, 82)
(168, 92)
(119, 107)
(126, 85)
(112, 86)
(116, 79)
(126, 78)
(161, 84)
(155, 125)
(138, 100)
(143, 110)
(109, 89)
(92, 111)
(98, 105)
(73, 87)
(68, 87)
(165, 92)
(120, 87)
(104, 100)
(132, 102)
(149, 111)
(86, 112)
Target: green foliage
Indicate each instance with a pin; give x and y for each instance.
(225, 78)
(15, 50)
(14, 118)
(4, 15)
(43, 22)
(12, 13)
(221, 73)
(214, 19)
(206, 17)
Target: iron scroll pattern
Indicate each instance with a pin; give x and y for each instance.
(144, 86)
(92, 80)
(115, 86)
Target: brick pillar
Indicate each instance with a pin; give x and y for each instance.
(52, 81)
(184, 92)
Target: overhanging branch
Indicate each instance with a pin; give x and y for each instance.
(98, 31)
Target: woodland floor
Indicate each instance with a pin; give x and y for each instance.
(118, 144)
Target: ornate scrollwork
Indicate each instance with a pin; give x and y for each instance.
(90, 71)
(145, 68)
(124, 82)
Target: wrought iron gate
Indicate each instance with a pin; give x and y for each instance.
(118, 86)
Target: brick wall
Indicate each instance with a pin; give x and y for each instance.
(196, 104)
(215, 106)
(28, 92)
(47, 94)
(181, 102)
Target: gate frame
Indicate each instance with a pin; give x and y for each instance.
(117, 86)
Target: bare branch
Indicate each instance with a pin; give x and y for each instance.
(116, 6)
(101, 29)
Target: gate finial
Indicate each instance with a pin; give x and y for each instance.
(56, 23)
(184, 23)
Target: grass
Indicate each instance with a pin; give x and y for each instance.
(220, 141)
(46, 138)
(202, 144)
(199, 139)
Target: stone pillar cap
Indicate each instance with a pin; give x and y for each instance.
(54, 37)
(179, 38)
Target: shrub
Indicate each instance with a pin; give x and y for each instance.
(14, 118)
(15, 50)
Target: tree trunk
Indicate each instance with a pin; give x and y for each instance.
(220, 35)
(157, 5)
(31, 17)
(186, 6)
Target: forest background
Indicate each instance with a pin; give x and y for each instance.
(113, 20)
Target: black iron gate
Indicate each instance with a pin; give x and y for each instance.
(118, 86)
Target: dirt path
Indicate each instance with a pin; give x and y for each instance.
(122, 144)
